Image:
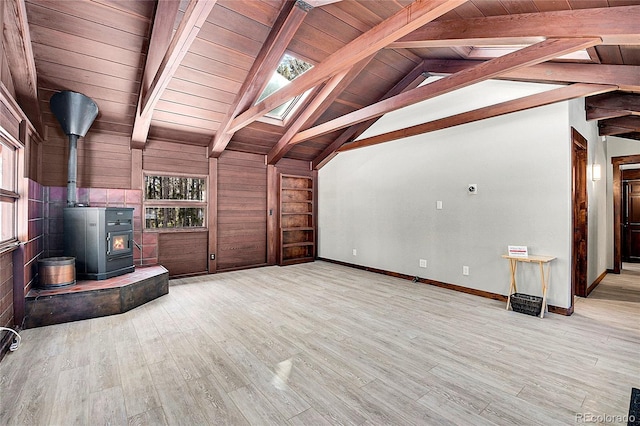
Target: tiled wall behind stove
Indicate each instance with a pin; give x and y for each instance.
(56, 201)
(34, 247)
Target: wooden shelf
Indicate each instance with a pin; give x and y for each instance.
(301, 244)
(297, 189)
(297, 228)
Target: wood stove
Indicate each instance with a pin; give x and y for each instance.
(101, 240)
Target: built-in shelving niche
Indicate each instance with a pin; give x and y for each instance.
(297, 227)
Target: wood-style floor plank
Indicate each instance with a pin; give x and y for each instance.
(319, 343)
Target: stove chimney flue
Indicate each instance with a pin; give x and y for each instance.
(75, 113)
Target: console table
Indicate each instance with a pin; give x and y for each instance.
(544, 277)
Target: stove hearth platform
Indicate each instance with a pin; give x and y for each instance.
(92, 299)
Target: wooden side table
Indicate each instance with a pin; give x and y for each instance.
(544, 278)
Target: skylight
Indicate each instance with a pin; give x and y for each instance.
(288, 70)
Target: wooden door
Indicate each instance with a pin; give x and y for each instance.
(580, 215)
(631, 221)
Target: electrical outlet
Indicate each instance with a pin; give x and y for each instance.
(213, 256)
(465, 270)
(423, 263)
(355, 252)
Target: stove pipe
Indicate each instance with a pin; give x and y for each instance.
(75, 113)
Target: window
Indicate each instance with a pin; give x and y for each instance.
(175, 202)
(287, 71)
(8, 194)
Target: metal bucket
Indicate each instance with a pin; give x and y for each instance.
(57, 271)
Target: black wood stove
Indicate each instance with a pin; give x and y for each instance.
(101, 240)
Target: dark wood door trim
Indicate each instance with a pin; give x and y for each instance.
(617, 207)
(579, 216)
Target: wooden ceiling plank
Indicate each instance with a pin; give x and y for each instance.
(612, 105)
(284, 29)
(593, 55)
(194, 17)
(320, 103)
(615, 25)
(577, 90)
(616, 126)
(408, 82)
(627, 77)
(616, 100)
(403, 22)
(527, 56)
(17, 44)
(595, 113)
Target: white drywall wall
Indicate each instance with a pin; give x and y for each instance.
(381, 200)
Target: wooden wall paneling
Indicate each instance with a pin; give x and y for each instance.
(104, 160)
(273, 213)
(161, 156)
(136, 169)
(242, 207)
(183, 253)
(212, 216)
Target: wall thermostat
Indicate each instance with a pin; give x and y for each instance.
(473, 188)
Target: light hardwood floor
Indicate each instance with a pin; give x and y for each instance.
(320, 344)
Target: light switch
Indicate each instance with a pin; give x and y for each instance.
(438, 205)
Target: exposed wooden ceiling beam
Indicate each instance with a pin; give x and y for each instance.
(620, 125)
(194, 17)
(632, 135)
(284, 29)
(627, 77)
(612, 105)
(577, 90)
(320, 103)
(17, 43)
(405, 21)
(408, 82)
(534, 54)
(161, 34)
(614, 25)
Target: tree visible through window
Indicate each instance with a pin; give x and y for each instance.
(288, 70)
(175, 202)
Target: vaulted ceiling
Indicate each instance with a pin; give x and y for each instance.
(190, 71)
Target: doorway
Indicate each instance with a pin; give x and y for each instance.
(618, 211)
(579, 215)
(631, 215)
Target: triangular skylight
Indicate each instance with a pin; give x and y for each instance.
(288, 70)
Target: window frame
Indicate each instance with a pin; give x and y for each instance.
(146, 203)
(11, 195)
